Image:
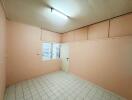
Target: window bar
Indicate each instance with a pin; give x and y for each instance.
(51, 51)
(59, 50)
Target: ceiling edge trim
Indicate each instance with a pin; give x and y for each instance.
(99, 22)
(2, 2)
(41, 27)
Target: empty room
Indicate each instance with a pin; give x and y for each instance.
(65, 49)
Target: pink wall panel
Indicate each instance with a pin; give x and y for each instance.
(105, 62)
(102, 60)
(81, 34)
(23, 46)
(98, 31)
(68, 37)
(121, 26)
(48, 36)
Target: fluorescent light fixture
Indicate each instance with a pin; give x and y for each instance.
(58, 13)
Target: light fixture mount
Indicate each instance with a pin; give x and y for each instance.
(56, 11)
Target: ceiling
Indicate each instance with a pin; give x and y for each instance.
(81, 12)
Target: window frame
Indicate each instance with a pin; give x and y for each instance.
(51, 51)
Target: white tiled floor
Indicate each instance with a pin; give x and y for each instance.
(58, 86)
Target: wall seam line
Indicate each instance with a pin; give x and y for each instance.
(109, 29)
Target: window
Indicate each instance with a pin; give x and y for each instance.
(46, 51)
(50, 51)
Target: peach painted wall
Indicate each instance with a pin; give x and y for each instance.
(24, 48)
(2, 52)
(105, 61)
(121, 26)
(81, 34)
(76, 35)
(98, 31)
(68, 37)
(48, 36)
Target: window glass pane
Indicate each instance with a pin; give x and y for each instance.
(56, 50)
(46, 51)
(50, 51)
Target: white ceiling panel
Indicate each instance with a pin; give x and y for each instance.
(81, 12)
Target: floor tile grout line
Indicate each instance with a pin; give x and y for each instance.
(23, 91)
(29, 89)
(37, 89)
(88, 92)
(6, 94)
(42, 86)
(15, 91)
(50, 90)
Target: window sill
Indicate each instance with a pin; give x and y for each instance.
(50, 59)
